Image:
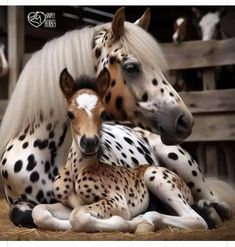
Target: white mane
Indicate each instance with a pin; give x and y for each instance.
(37, 89)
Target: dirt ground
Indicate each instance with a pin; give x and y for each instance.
(10, 232)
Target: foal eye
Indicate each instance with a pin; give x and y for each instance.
(131, 68)
(70, 115)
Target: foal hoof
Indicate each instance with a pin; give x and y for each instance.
(145, 227)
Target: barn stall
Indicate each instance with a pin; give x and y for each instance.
(212, 140)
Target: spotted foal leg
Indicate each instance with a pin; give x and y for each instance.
(105, 215)
(180, 161)
(172, 191)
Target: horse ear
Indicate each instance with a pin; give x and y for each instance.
(144, 20)
(66, 83)
(118, 23)
(197, 13)
(102, 82)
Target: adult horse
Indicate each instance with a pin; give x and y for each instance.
(34, 136)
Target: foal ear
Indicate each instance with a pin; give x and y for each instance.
(118, 23)
(66, 83)
(102, 82)
(144, 20)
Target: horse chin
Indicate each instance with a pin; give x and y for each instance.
(168, 139)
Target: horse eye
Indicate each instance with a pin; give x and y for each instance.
(70, 115)
(131, 68)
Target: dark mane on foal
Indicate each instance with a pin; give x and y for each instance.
(85, 82)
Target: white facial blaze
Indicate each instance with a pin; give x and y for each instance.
(87, 102)
(179, 21)
(207, 24)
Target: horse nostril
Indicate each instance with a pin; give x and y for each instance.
(89, 145)
(182, 124)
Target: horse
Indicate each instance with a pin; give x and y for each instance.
(4, 66)
(104, 197)
(34, 147)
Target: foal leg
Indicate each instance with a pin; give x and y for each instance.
(171, 190)
(105, 215)
(179, 161)
(52, 216)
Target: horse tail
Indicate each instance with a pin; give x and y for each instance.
(223, 190)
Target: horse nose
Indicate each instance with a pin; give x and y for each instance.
(183, 124)
(89, 145)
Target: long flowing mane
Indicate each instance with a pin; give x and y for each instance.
(37, 89)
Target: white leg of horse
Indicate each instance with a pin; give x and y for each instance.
(171, 190)
(83, 221)
(52, 217)
(180, 161)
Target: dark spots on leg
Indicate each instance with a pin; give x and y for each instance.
(211, 193)
(171, 94)
(145, 97)
(190, 184)
(31, 163)
(162, 90)
(190, 163)
(25, 145)
(34, 177)
(18, 166)
(149, 159)
(41, 144)
(181, 151)
(9, 148)
(135, 161)
(194, 173)
(4, 161)
(49, 126)
(40, 195)
(199, 190)
(119, 102)
(155, 82)
(128, 140)
(97, 52)
(28, 189)
(22, 137)
(173, 156)
(47, 167)
(151, 178)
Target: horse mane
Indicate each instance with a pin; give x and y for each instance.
(37, 90)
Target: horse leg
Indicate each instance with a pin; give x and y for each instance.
(180, 161)
(103, 215)
(171, 190)
(52, 216)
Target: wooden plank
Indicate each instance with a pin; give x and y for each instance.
(15, 44)
(210, 101)
(199, 54)
(208, 79)
(213, 127)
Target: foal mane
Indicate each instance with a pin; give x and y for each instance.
(85, 82)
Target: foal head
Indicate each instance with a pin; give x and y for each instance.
(85, 110)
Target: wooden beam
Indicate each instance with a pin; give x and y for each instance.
(213, 127)
(210, 101)
(15, 44)
(199, 54)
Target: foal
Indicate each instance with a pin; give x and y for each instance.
(104, 197)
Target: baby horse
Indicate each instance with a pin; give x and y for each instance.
(111, 198)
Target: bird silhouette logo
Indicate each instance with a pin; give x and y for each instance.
(36, 19)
